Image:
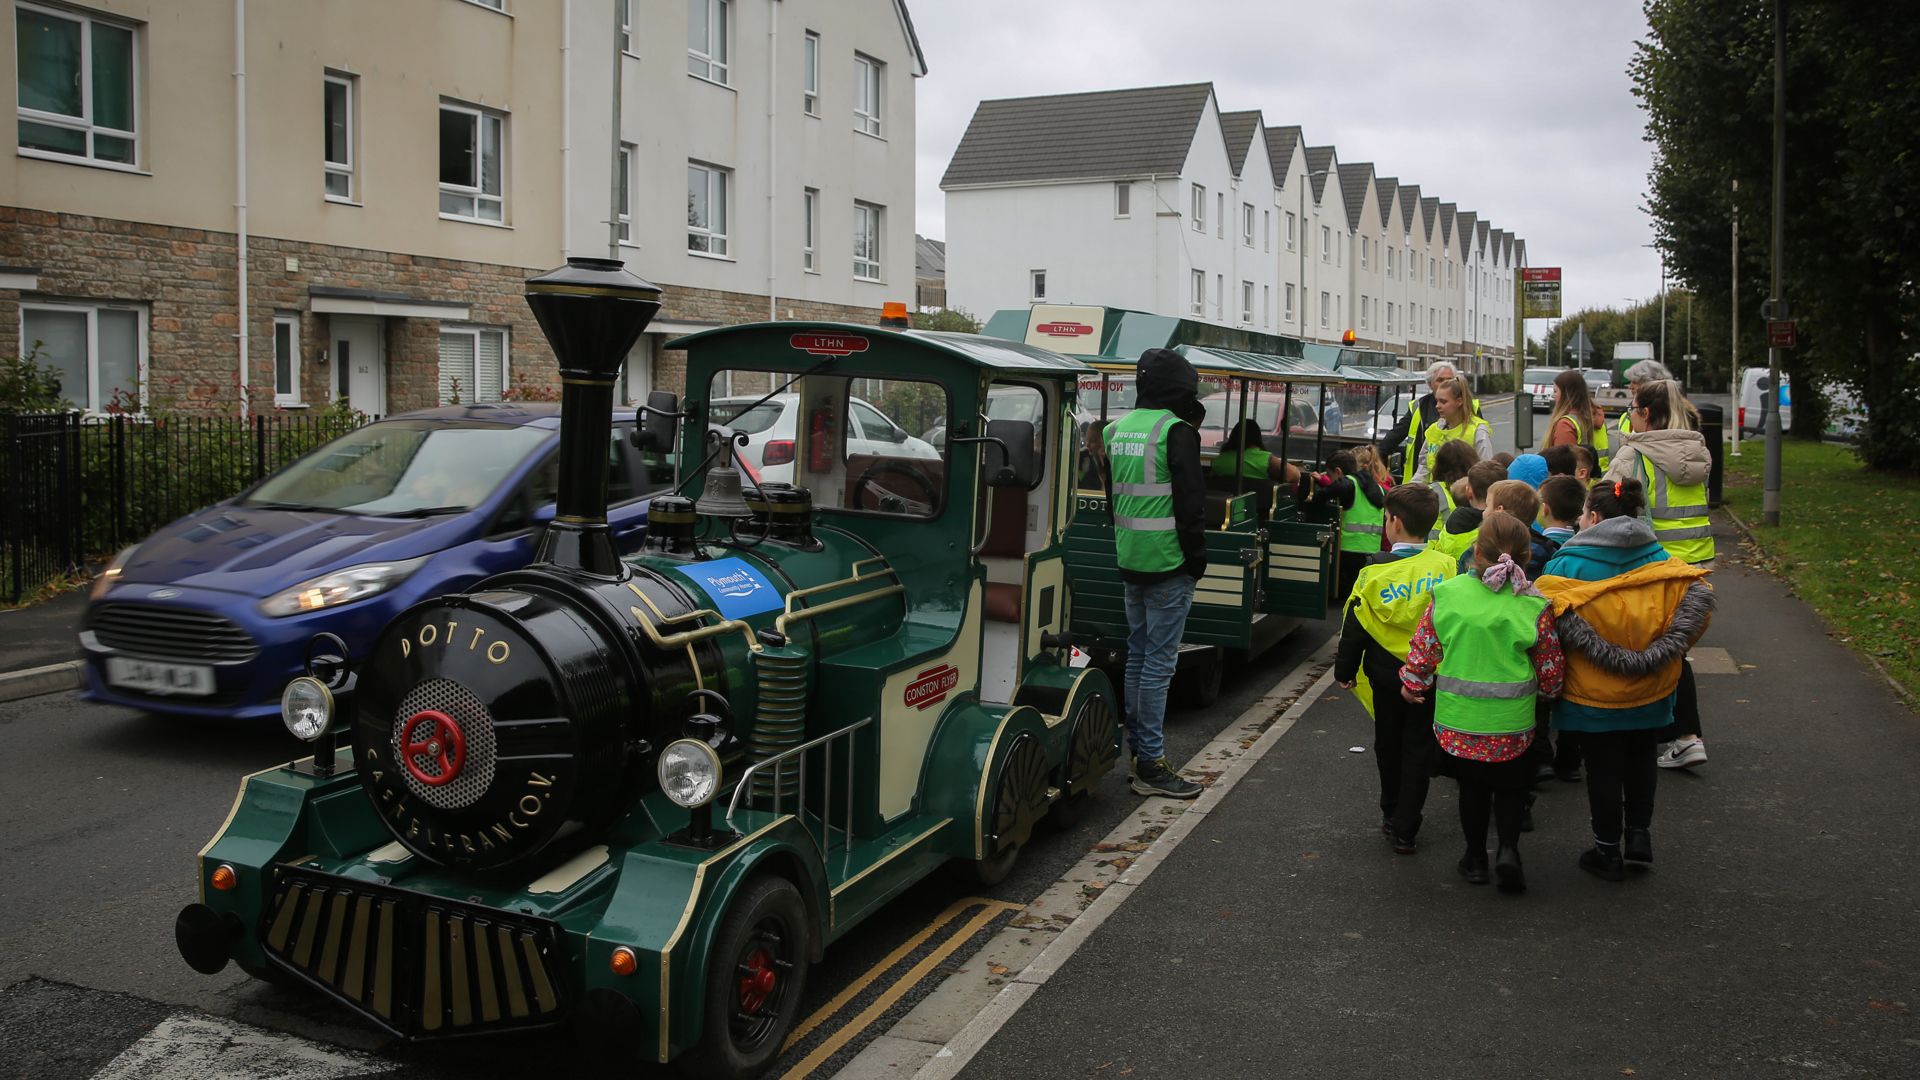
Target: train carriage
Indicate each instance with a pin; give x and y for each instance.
(639, 796)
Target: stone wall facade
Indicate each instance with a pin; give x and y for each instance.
(186, 280)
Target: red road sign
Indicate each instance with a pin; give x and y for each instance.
(1545, 273)
(1781, 334)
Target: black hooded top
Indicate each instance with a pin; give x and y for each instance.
(1167, 381)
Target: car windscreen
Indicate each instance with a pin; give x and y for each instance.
(403, 466)
(1595, 377)
(749, 422)
(1541, 375)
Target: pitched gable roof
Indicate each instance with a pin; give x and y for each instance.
(1430, 210)
(1355, 179)
(1409, 202)
(913, 36)
(1280, 144)
(1238, 129)
(1480, 236)
(1463, 233)
(1447, 231)
(1384, 189)
(1139, 132)
(1319, 159)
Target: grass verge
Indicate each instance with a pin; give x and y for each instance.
(1848, 540)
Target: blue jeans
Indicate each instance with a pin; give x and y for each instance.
(1156, 616)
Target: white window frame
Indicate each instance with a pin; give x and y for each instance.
(1037, 284)
(1366, 251)
(470, 395)
(1292, 226)
(714, 239)
(1197, 288)
(1390, 250)
(810, 222)
(868, 217)
(1220, 297)
(479, 195)
(92, 403)
(1266, 305)
(1199, 208)
(629, 153)
(626, 27)
(1288, 316)
(810, 74)
(1326, 243)
(1266, 230)
(290, 396)
(342, 169)
(1363, 312)
(84, 123)
(1220, 215)
(1123, 199)
(1326, 309)
(869, 95)
(1246, 302)
(1246, 224)
(706, 62)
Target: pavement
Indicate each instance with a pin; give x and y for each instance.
(1772, 937)
(42, 634)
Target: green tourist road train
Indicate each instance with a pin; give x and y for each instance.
(639, 797)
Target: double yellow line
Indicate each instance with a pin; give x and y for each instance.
(906, 982)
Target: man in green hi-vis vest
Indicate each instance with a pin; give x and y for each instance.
(1159, 533)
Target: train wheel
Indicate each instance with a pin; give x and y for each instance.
(1019, 802)
(755, 975)
(1200, 683)
(1090, 756)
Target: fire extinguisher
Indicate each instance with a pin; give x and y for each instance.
(820, 438)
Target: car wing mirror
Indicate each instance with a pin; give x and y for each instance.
(543, 514)
(659, 423)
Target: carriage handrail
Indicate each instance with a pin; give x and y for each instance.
(745, 783)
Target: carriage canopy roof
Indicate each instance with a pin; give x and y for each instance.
(811, 342)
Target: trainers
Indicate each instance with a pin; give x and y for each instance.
(1684, 754)
(1158, 778)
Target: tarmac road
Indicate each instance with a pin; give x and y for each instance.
(106, 808)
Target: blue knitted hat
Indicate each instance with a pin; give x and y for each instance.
(1529, 467)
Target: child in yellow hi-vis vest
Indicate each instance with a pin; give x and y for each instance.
(1390, 594)
(1483, 652)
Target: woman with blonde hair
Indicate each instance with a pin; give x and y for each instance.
(1368, 458)
(1457, 423)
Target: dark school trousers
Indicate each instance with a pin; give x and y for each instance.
(1686, 707)
(1506, 806)
(1403, 746)
(1621, 775)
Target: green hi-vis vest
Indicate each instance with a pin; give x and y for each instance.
(1362, 524)
(1486, 683)
(1390, 597)
(1679, 515)
(1253, 463)
(1438, 433)
(1455, 543)
(1445, 491)
(1143, 533)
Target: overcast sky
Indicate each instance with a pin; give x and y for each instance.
(1520, 112)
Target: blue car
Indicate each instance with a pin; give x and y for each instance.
(211, 616)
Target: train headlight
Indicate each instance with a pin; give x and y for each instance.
(690, 773)
(306, 707)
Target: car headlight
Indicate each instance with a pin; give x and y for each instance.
(340, 587)
(690, 773)
(111, 575)
(306, 707)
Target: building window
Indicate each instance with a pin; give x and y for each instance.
(76, 86)
(866, 94)
(1266, 305)
(473, 364)
(1430, 323)
(1287, 313)
(810, 50)
(1197, 302)
(1390, 307)
(1389, 252)
(1363, 310)
(707, 208)
(626, 192)
(626, 25)
(1366, 252)
(95, 349)
(470, 153)
(1199, 208)
(810, 215)
(1220, 297)
(1246, 224)
(338, 91)
(1430, 278)
(866, 241)
(1326, 309)
(1220, 214)
(1123, 199)
(1449, 273)
(1266, 230)
(1326, 244)
(286, 360)
(707, 39)
(497, 5)
(1449, 320)
(1039, 289)
(1246, 302)
(1290, 228)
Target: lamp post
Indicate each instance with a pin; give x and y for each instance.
(1770, 497)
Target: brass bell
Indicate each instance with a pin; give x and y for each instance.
(721, 498)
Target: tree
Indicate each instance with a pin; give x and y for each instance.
(953, 319)
(1705, 79)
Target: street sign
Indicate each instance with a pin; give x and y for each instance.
(1781, 334)
(1581, 346)
(1540, 293)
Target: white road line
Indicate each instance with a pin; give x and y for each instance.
(949, 1027)
(191, 1046)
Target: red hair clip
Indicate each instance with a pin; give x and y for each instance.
(1616, 489)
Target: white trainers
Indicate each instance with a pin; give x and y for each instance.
(1683, 754)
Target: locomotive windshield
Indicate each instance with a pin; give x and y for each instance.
(403, 467)
(867, 445)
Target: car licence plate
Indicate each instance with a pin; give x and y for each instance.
(157, 678)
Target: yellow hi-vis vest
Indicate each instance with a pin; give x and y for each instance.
(1388, 600)
(1445, 491)
(1438, 433)
(1679, 515)
(1415, 434)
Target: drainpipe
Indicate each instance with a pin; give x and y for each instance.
(773, 166)
(566, 129)
(240, 182)
(613, 195)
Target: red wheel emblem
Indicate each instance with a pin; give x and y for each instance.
(757, 980)
(432, 738)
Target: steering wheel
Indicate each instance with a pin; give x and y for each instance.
(892, 486)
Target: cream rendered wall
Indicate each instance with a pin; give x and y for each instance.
(997, 236)
(1213, 251)
(405, 58)
(1258, 262)
(671, 117)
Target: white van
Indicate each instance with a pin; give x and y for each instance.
(1752, 420)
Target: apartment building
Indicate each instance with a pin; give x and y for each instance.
(1155, 199)
(253, 206)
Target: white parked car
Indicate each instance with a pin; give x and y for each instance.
(1752, 419)
(772, 430)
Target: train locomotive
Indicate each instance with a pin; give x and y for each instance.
(640, 796)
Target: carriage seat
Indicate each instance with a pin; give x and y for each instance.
(1007, 539)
